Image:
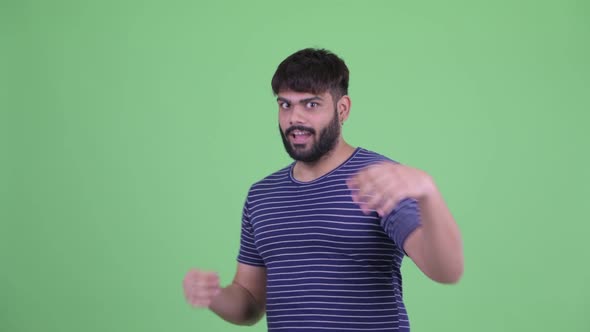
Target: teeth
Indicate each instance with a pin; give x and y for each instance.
(299, 132)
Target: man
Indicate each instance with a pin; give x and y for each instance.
(323, 239)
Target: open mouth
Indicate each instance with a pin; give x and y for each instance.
(300, 136)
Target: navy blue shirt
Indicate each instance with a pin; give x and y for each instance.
(329, 266)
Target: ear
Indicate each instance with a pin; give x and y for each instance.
(343, 107)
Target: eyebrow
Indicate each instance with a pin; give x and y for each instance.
(302, 101)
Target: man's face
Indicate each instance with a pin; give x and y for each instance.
(308, 123)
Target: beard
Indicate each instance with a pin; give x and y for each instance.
(319, 148)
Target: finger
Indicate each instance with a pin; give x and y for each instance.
(366, 204)
(373, 201)
(362, 201)
(211, 292)
(355, 196)
(192, 299)
(199, 285)
(212, 277)
(200, 300)
(374, 170)
(366, 187)
(190, 275)
(204, 278)
(210, 284)
(188, 285)
(387, 206)
(204, 298)
(389, 192)
(201, 303)
(352, 182)
(358, 178)
(204, 289)
(353, 186)
(194, 276)
(364, 208)
(366, 198)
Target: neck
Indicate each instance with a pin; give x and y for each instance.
(306, 172)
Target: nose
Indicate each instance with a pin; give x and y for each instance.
(297, 115)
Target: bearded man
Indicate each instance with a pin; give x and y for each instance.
(322, 240)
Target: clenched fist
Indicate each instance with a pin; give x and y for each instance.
(380, 187)
(200, 287)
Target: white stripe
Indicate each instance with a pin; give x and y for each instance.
(330, 278)
(325, 253)
(331, 303)
(334, 309)
(346, 316)
(376, 251)
(330, 284)
(296, 200)
(380, 231)
(318, 328)
(326, 265)
(387, 245)
(338, 322)
(258, 227)
(336, 272)
(331, 259)
(289, 213)
(330, 297)
(333, 290)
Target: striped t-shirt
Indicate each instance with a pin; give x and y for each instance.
(329, 266)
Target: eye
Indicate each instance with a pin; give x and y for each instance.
(284, 105)
(312, 104)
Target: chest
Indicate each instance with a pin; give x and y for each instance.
(301, 225)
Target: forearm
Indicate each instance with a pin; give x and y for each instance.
(236, 305)
(442, 246)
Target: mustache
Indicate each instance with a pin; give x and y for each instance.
(302, 128)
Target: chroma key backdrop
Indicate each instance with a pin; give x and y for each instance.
(130, 132)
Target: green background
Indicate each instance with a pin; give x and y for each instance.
(130, 132)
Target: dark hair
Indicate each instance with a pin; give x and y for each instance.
(312, 70)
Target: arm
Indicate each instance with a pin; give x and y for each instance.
(436, 246)
(243, 302)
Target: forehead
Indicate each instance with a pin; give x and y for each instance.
(296, 96)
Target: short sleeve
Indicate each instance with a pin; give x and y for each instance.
(248, 252)
(402, 221)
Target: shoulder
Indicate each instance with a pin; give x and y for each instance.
(272, 180)
(364, 157)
